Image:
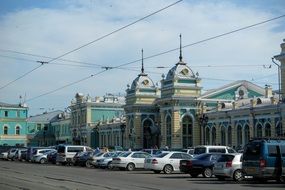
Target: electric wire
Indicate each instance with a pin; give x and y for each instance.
(93, 41)
(162, 53)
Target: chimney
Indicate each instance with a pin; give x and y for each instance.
(268, 91)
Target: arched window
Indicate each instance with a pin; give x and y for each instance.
(278, 129)
(187, 127)
(246, 134)
(168, 131)
(5, 130)
(207, 136)
(214, 135)
(239, 135)
(267, 130)
(223, 135)
(229, 135)
(17, 130)
(259, 130)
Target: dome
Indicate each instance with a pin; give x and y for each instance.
(180, 70)
(142, 81)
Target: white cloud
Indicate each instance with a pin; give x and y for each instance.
(52, 32)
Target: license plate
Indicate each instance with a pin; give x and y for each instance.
(183, 164)
(250, 170)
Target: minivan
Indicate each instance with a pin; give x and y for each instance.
(264, 159)
(65, 153)
(212, 149)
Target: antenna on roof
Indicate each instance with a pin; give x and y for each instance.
(180, 56)
(142, 63)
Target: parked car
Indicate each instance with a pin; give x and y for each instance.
(166, 162)
(51, 157)
(106, 162)
(65, 153)
(201, 164)
(18, 154)
(130, 160)
(152, 152)
(12, 153)
(40, 155)
(30, 152)
(188, 151)
(264, 159)
(23, 155)
(229, 166)
(92, 161)
(212, 149)
(81, 158)
(4, 156)
(42, 158)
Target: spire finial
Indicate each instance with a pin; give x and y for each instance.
(180, 56)
(142, 63)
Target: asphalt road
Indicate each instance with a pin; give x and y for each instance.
(28, 176)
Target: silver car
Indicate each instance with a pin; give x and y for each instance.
(229, 166)
(130, 160)
(106, 162)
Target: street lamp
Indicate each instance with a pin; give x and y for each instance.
(279, 73)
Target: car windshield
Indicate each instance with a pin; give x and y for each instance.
(161, 155)
(61, 149)
(199, 150)
(252, 151)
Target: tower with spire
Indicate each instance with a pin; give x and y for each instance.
(141, 112)
(179, 90)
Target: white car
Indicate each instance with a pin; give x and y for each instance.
(166, 162)
(42, 159)
(4, 155)
(37, 154)
(130, 160)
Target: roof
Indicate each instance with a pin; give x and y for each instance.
(45, 117)
(2, 104)
(235, 84)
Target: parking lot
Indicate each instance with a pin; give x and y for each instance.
(24, 175)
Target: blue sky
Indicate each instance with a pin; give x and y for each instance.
(51, 28)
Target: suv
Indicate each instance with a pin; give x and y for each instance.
(65, 153)
(264, 159)
(212, 149)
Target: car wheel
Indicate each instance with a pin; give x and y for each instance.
(109, 165)
(194, 175)
(220, 178)
(238, 175)
(167, 169)
(207, 172)
(130, 167)
(156, 171)
(43, 161)
(88, 164)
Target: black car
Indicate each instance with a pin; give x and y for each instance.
(81, 158)
(51, 157)
(201, 164)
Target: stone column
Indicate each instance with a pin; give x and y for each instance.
(176, 130)
(234, 134)
(139, 131)
(218, 134)
(162, 129)
(196, 135)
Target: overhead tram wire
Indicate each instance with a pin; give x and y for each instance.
(115, 31)
(162, 53)
(93, 41)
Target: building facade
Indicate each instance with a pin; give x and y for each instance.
(179, 115)
(13, 124)
(87, 114)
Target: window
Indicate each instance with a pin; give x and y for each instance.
(5, 130)
(239, 135)
(17, 130)
(229, 135)
(39, 127)
(268, 130)
(246, 134)
(168, 131)
(272, 150)
(278, 129)
(214, 135)
(186, 156)
(259, 130)
(223, 136)
(207, 136)
(18, 113)
(6, 113)
(220, 150)
(176, 156)
(187, 126)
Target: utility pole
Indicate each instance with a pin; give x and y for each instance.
(279, 82)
